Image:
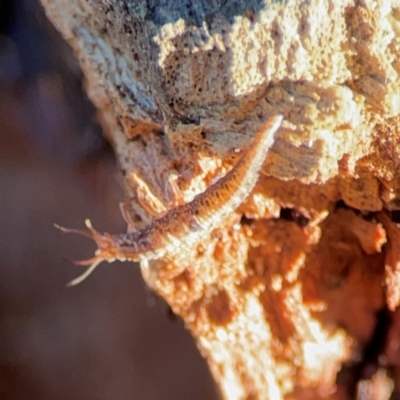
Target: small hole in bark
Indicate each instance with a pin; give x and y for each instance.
(351, 373)
(289, 214)
(219, 310)
(246, 221)
(341, 204)
(395, 216)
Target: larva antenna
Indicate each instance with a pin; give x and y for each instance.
(88, 272)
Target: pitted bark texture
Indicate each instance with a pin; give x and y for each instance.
(286, 291)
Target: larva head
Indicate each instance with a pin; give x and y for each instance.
(106, 249)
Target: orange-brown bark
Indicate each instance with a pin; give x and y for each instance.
(287, 292)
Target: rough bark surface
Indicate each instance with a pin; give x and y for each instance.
(288, 291)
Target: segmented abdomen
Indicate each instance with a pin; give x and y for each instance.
(184, 224)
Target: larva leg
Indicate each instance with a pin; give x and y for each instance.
(152, 205)
(178, 199)
(147, 199)
(126, 215)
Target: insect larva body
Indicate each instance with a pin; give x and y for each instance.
(185, 224)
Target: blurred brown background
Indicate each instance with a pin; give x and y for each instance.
(110, 337)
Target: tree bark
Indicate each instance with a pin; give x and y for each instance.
(287, 292)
